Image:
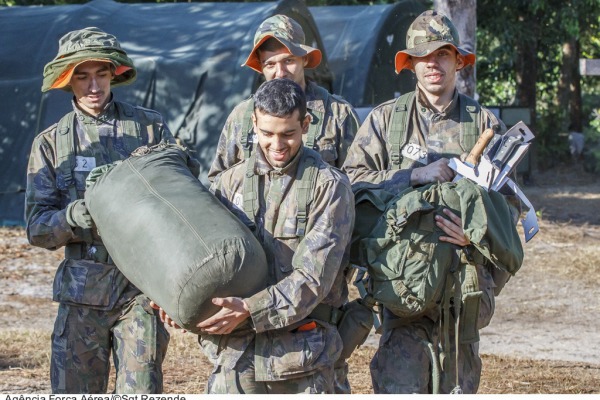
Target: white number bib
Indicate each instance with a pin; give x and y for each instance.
(84, 164)
(415, 153)
(238, 201)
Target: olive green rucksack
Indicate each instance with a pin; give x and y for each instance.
(412, 273)
(408, 266)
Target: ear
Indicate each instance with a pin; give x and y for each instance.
(305, 61)
(460, 61)
(254, 121)
(306, 123)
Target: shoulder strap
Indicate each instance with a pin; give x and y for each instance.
(247, 130)
(251, 192)
(65, 155)
(469, 121)
(128, 119)
(318, 118)
(399, 126)
(306, 175)
(65, 151)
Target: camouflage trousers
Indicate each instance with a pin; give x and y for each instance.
(83, 339)
(404, 359)
(340, 383)
(241, 380)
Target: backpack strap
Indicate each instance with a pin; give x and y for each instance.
(250, 195)
(306, 177)
(469, 121)
(398, 127)
(469, 124)
(247, 130)
(318, 118)
(130, 126)
(65, 151)
(65, 155)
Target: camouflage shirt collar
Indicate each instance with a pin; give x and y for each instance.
(262, 166)
(426, 109)
(313, 101)
(108, 114)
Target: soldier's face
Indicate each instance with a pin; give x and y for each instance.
(436, 73)
(282, 64)
(91, 85)
(279, 138)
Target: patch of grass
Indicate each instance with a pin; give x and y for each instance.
(24, 368)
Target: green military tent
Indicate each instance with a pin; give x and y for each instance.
(361, 42)
(188, 55)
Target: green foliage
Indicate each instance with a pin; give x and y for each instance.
(504, 26)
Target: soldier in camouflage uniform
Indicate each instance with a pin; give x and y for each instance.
(433, 135)
(286, 339)
(279, 52)
(99, 310)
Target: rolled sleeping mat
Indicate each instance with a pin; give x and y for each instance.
(170, 236)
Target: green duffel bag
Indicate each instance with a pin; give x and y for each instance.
(407, 263)
(170, 236)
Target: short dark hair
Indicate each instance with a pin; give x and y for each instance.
(280, 98)
(271, 44)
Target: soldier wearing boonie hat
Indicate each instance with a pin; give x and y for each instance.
(99, 311)
(290, 34)
(429, 32)
(407, 142)
(280, 51)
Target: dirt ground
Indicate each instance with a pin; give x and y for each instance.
(542, 339)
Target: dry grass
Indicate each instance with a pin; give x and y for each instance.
(24, 365)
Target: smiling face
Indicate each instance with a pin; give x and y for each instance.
(280, 138)
(91, 85)
(436, 72)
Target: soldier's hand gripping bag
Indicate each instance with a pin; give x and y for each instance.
(170, 236)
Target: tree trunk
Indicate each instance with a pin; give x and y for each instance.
(463, 14)
(575, 99)
(569, 88)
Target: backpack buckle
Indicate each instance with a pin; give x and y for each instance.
(301, 223)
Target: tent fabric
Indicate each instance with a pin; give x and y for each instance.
(188, 57)
(361, 43)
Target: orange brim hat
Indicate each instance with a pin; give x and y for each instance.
(65, 77)
(313, 55)
(402, 59)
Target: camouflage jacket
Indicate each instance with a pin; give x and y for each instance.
(337, 134)
(99, 140)
(303, 271)
(434, 135)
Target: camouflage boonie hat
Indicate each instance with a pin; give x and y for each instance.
(428, 32)
(290, 34)
(88, 44)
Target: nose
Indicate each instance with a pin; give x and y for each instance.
(431, 58)
(277, 143)
(94, 84)
(280, 72)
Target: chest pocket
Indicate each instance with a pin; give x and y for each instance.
(285, 243)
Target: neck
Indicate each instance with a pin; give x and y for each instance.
(438, 101)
